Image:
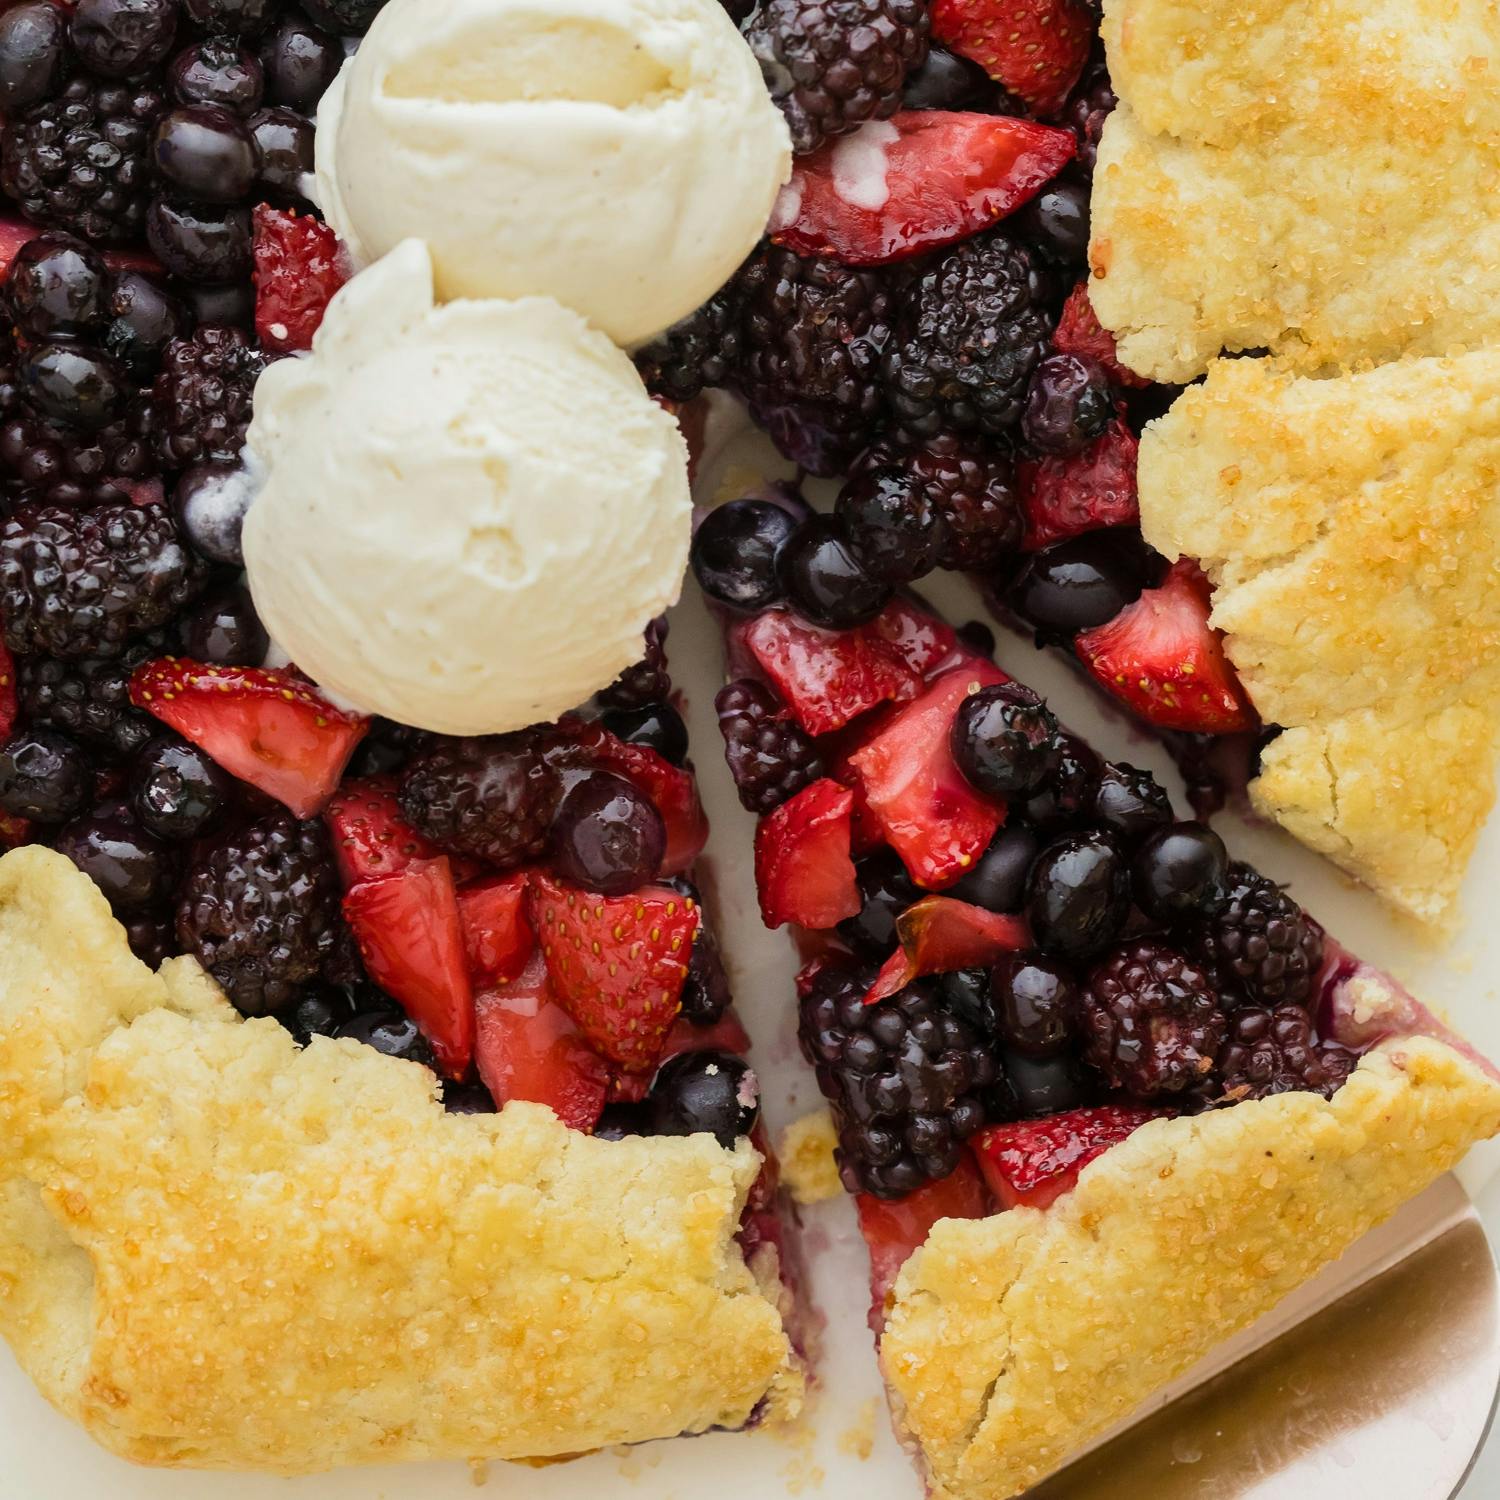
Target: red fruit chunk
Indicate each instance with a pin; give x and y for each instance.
(928, 813)
(939, 935)
(371, 838)
(725, 1035)
(15, 831)
(803, 869)
(527, 1047)
(1036, 48)
(671, 789)
(893, 1229)
(144, 492)
(268, 727)
(1032, 1163)
(921, 179)
(1161, 657)
(10, 703)
(827, 677)
(497, 937)
(617, 963)
(412, 943)
(299, 265)
(1065, 496)
(1079, 331)
(921, 640)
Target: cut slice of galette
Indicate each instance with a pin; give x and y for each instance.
(1104, 1094)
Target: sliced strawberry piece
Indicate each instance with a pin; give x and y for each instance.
(671, 789)
(1065, 496)
(1079, 331)
(921, 179)
(497, 935)
(1161, 657)
(827, 677)
(143, 492)
(16, 831)
(922, 641)
(371, 837)
(10, 701)
(928, 813)
(939, 935)
(528, 1047)
(1036, 48)
(266, 726)
(299, 266)
(410, 938)
(617, 963)
(894, 1228)
(1032, 1163)
(803, 868)
(13, 234)
(725, 1035)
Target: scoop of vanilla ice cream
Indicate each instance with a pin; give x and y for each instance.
(470, 510)
(621, 156)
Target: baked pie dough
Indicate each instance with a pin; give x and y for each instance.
(1312, 177)
(219, 1251)
(1351, 527)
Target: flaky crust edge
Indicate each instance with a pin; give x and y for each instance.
(1015, 1340)
(218, 1251)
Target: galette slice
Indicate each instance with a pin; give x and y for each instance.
(1080, 1060)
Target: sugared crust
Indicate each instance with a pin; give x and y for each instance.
(1351, 527)
(1313, 177)
(217, 1250)
(1016, 1339)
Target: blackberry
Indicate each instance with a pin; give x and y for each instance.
(1152, 1023)
(203, 396)
(80, 160)
(493, 797)
(699, 351)
(705, 991)
(84, 583)
(769, 755)
(969, 332)
(261, 911)
(811, 342)
(833, 64)
(1092, 103)
(1273, 1051)
(1264, 941)
(905, 1078)
(53, 464)
(647, 681)
(89, 700)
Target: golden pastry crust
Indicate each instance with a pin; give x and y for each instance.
(1015, 1340)
(219, 1251)
(806, 1153)
(1313, 177)
(1351, 527)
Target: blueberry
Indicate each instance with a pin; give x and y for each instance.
(151, 937)
(134, 869)
(998, 881)
(467, 1099)
(299, 63)
(607, 836)
(966, 993)
(205, 152)
(886, 890)
(203, 243)
(219, 71)
(178, 791)
(1078, 895)
(388, 1030)
(284, 147)
(73, 384)
(122, 38)
(892, 524)
(58, 288)
(1130, 802)
(1068, 404)
(658, 726)
(143, 320)
(318, 1013)
(825, 581)
(33, 46)
(735, 549)
(225, 629)
(947, 81)
(1084, 581)
(704, 1092)
(620, 1120)
(1181, 872)
(231, 306)
(1057, 220)
(1036, 1002)
(44, 776)
(1047, 1086)
(209, 502)
(1068, 793)
(1004, 741)
(236, 17)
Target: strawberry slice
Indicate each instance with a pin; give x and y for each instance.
(1036, 48)
(1162, 658)
(10, 700)
(299, 266)
(16, 831)
(1079, 331)
(1065, 496)
(1032, 1163)
(925, 643)
(411, 940)
(923, 178)
(725, 1035)
(266, 726)
(371, 838)
(528, 1047)
(617, 963)
(939, 935)
(671, 789)
(803, 869)
(894, 1228)
(928, 813)
(497, 936)
(827, 677)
